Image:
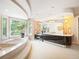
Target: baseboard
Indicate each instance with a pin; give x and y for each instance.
(75, 42)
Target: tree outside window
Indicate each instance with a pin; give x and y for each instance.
(18, 27)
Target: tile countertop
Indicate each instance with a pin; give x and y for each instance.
(5, 51)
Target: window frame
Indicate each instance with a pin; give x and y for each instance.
(8, 27)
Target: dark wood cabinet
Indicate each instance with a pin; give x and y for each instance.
(64, 40)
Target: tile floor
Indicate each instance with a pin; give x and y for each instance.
(47, 50)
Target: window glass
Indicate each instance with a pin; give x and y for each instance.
(4, 27)
(18, 26)
(12, 27)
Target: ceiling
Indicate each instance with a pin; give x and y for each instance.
(9, 8)
(39, 8)
(47, 8)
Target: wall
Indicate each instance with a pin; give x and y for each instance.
(68, 23)
(36, 27)
(75, 29)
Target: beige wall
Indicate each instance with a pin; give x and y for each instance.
(75, 28)
(37, 27)
(68, 23)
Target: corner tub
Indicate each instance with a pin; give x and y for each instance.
(13, 48)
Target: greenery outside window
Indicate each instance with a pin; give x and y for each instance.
(17, 26)
(4, 27)
(12, 27)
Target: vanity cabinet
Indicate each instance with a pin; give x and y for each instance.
(64, 40)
